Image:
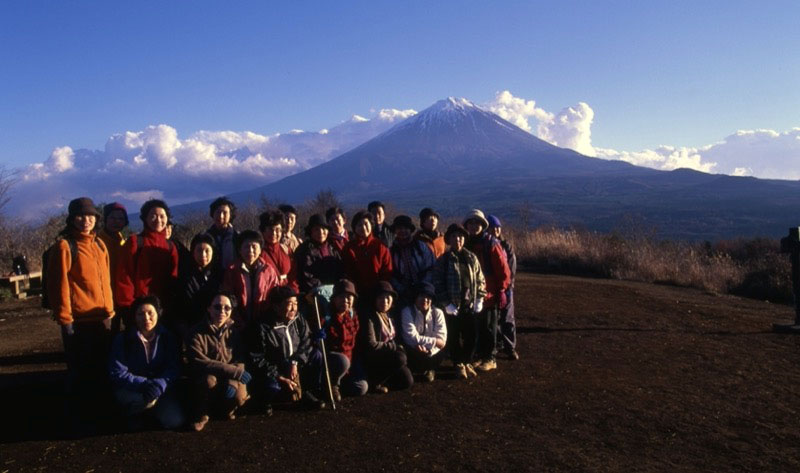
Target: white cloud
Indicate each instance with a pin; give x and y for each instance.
(155, 162)
(570, 128)
(759, 153)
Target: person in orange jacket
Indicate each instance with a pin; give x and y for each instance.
(79, 294)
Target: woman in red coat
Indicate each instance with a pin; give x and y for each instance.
(366, 258)
(148, 261)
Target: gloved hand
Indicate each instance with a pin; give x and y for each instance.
(319, 335)
(451, 309)
(230, 392)
(245, 377)
(503, 300)
(477, 307)
(152, 391)
(68, 329)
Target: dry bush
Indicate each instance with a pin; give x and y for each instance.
(752, 268)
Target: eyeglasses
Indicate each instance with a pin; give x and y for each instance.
(222, 308)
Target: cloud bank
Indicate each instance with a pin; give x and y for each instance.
(157, 163)
(760, 153)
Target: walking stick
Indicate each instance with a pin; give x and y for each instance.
(324, 356)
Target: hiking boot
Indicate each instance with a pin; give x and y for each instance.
(200, 423)
(380, 389)
(312, 402)
(470, 370)
(337, 393)
(461, 371)
(429, 375)
(487, 365)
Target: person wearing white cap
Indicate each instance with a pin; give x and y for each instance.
(494, 265)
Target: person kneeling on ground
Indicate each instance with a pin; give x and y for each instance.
(216, 358)
(281, 354)
(144, 366)
(424, 332)
(341, 331)
(384, 358)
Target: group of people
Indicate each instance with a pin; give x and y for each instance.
(268, 316)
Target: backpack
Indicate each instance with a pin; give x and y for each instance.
(73, 250)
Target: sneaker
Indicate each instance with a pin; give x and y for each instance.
(380, 389)
(337, 393)
(487, 365)
(461, 371)
(200, 424)
(429, 375)
(470, 370)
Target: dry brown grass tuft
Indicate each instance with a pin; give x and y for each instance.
(752, 268)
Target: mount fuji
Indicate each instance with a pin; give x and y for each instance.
(454, 156)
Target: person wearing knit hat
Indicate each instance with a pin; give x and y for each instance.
(506, 323)
(346, 370)
(460, 289)
(78, 287)
(412, 260)
(428, 233)
(424, 332)
(384, 358)
(494, 265)
(318, 264)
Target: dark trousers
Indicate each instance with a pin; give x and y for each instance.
(420, 362)
(487, 333)
(507, 326)
(310, 378)
(86, 352)
(389, 368)
(462, 336)
(209, 389)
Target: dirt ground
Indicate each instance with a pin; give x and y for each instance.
(613, 376)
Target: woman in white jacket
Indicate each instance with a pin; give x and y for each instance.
(424, 332)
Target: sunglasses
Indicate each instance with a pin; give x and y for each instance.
(222, 308)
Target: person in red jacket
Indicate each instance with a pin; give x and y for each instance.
(341, 331)
(250, 279)
(494, 265)
(149, 262)
(366, 258)
(274, 252)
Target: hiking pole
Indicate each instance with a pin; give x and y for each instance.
(324, 356)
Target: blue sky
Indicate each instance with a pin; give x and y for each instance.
(677, 73)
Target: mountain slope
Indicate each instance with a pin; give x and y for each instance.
(455, 156)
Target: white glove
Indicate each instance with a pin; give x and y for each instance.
(478, 305)
(451, 309)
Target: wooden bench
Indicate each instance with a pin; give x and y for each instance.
(20, 284)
